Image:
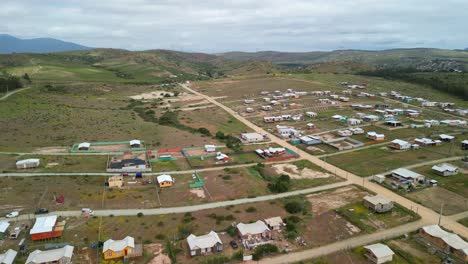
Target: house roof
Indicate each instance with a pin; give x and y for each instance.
(135, 142)
(26, 161)
(118, 245)
(377, 199)
(399, 142)
(274, 221)
(84, 145)
(445, 136)
(375, 134)
(453, 240)
(309, 138)
(206, 241)
(379, 250)
(8, 257)
(121, 164)
(465, 141)
(221, 156)
(4, 226)
(252, 228)
(44, 224)
(164, 178)
(444, 167)
(210, 146)
(38, 256)
(251, 136)
(405, 173)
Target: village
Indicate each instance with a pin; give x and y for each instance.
(310, 167)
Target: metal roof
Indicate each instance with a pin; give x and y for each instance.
(4, 226)
(119, 245)
(8, 257)
(44, 224)
(380, 250)
(49, 256)
(405, 173)
(206, 241)
(252, 228)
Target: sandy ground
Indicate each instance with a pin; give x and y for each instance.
(197, 107)
(324, 202)
(159, 257)
(295, 173)
(46, 150)
(151, 95)
(312, 148)
(199, 192)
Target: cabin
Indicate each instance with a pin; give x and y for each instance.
(370, 118)
(8, 257)
(118, 248)
(356, 130)
(165, 181)
(310, 140)
(47, 227)
(375, 136)
(445, 241)
(28, 163)
(62, 255)
(403, 174)
(344, 133)
(252, 137)
(274, 223)
(412, 113)
(135, 143)
(445, 169)
(205, 244)
(84, 146)
(378, 203)
(379, 253)
(399, 144)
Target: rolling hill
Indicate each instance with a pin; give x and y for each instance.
(10, 44)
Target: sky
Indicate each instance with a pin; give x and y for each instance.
(241, 25)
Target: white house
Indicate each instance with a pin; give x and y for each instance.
(375, 136)
(202, 245)
(60, 255)
(311, 114)
(405, 174)
(252, 137)
(344, 133)
(165, 180)
(3, 227)
(286, 132)
(379, 253)
(370, 118)
(445, 169)
(400, 144)
(8, 257)
(28, 163)
(135, 143)
(445, 137)
(84, 146)
(249, 101)
(353, 121)
(356, 130)
(210, 148)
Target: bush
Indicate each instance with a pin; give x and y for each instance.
(204, 131)
(280, 184)
(251, 209)
(263, 250)
(140, 214)
(294, 207)
(231, 231)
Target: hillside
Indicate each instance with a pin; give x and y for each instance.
(10, 44)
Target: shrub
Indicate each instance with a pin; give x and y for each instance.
(140, 214)
(251, 209)
(294, 207)
(263, 250)
(231, 231)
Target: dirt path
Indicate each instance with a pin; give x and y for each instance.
(13, 92)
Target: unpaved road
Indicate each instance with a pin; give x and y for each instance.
(13, 92)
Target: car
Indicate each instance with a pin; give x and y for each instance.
(12, 214)
(42, 211)
(87, 211)
(233, 244)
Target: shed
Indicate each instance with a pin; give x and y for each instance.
(46, 227)
(165, 181)
(135, 143)
(252, 137)
(3, 227)
(379, 253)
(28, 163)
(399, 144)
(310, 140)
(379, 178)
(210, 148)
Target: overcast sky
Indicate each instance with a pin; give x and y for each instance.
(241, 25)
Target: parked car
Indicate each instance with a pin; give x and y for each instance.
(87, 211)
(12, 214)
(42, 211)
(234, 244)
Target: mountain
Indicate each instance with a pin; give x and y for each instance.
(10, 44)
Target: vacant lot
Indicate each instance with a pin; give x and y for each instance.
(435, 197)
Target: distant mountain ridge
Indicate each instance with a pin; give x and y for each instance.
(10, 44)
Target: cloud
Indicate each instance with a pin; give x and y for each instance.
(225, 25)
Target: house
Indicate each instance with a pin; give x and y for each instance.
(270, 152)
(297, 117)
(3, 228)
(206, 244)
(128, 165)
(249, 101)
(274, 223)
(28, 163)
(8, 257)
(344, 133)
(115, 181)
(378, 203)
(222, 157)
(356, 130)
(165, 181)
(426, 142)
(287, 132)
(378, 178)
(311, 114)
(60, 255)
(370, 118)
(464, 145)
(412, 113)
(375, 136)
(118, 248)
(310, 126)
(403, 174)
(249, 110)
(353, 121)
(135, 143)
(428, 104)
(254, 234)
(399, 144)
(446, 138)
(379, 253)
(310, 140)
(210, 148)
(84, 146)
(393, 123)
(252, 137)
(445, 169)
(267, 107)
(445, 241)
(344, 99)
(337, 117)
(47, 227)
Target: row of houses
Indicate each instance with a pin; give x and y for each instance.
(272, 119)
(399, 144)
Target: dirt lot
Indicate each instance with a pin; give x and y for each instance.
(435, 196)
(295, 173)
(326, 201)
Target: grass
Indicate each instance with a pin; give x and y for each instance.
(73, 163)
(464, 221)
(456, 183)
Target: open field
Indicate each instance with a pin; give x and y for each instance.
(74, 163)
(436, 197)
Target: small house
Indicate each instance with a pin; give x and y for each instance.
(344, 133)
(28, 163)
(203, 245)
(446, 138)
(403, 174)
(3, 228)
(46, 227)
(135, 143)
(118, 248)
(356, 130)
(128, 165)
(310, 126)
(426, 142)
(254, 234)
(393, 123)
(84, 146)
(267, 107)
(379, 253)
(378, 178)
(445, 169)
(210, 148)
(8, 257)
(412, 114)
(287, 132)
(310, 140)
(60, 255)
(222, 157)
(399, 144)
(375, 136)
(274, 223)
(378, 203)
(464, 145)
(445, 241)
(311, 114)
(165, 181)
(252, 137)
(249, 101)
(353, 121)
(370, 118)
(249, 110)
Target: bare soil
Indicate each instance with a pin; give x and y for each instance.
(326, 201)
(295, 173)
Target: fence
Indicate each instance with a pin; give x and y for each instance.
(198, 183)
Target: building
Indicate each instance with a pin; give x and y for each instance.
(356, 130)
(311, 114)
(310, 140)
(222, 157)
(60, 256)
(399, 144)
(445, 241)
(8, 257)
(203, 245)
(378, 203)
(370, 118)
(274, 223)
(165, 181)
(210, 148)
(344, 133)
(445, 169)
(127, 165)
(379, 253)
(118, 248)
(115, 181)
(407, 175)
(47, 227)
(252, 137)
(353, 121)
(378, 178)
(135, 143)
(3, 228)
(446, 138)
(375, 136)
(254, 234)
(84, 146)
(287, 132)
(464, 145)
(393, 123)
(28, 163)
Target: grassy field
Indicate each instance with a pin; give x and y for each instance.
(464, 221)
(214, 120)
(73, 163)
